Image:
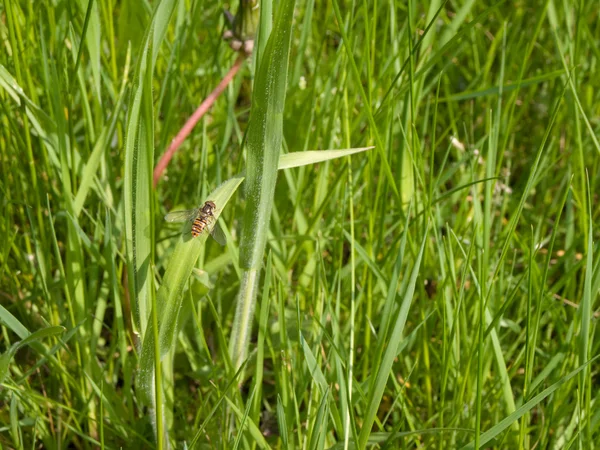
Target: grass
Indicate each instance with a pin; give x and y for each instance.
(430, 281)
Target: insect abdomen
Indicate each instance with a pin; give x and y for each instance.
(198, 226)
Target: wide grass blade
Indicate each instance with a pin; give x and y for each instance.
(263, 144)
(481, 113)
(139, 161)
(264, 137)
(187, 251)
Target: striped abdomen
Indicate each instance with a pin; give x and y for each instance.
(199, 225)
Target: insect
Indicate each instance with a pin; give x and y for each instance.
(203, 218)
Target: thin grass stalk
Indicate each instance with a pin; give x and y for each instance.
(346, 124)
(585, 312)
(158, 390)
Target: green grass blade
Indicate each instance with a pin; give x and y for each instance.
(9, 320)
(592, 133)
(264, 137)
(298, 159)
(90, 88)
(138, 196)
(260, 344)
(382, 373)
(139, 162)
(254, 430)
(263, 144)
(91, 166)
(281, 421)
(92, 32)
(321, 422)
(586, 339)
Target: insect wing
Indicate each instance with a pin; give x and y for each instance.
(181, 216)
(218, 234)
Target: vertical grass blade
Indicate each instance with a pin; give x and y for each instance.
(263, 144)
(586, 339)
(139, 160)
(92, 41)
(138, 192)
(265, 134)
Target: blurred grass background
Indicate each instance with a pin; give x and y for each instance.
(438, 291)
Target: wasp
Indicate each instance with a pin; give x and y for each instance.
(202, 219)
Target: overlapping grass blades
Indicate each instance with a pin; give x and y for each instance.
(501, 426)
(169, 296)
(7, 356)
(380, 377)
(184, 257)
(179, 269)
(504, 306)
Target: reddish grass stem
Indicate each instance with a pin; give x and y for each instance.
(193, 120)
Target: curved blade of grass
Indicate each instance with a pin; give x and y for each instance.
(506, 88)
(169, 298)
(186, 253)
(249, 424)
(41, 122)
(212, 412)
(138, 193)
(8, 320)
